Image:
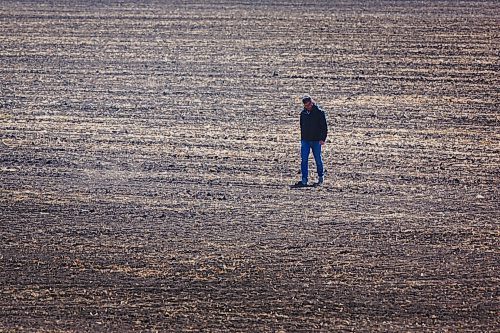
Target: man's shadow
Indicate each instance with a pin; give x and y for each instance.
(299, 186)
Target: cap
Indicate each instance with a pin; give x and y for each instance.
(306, 98)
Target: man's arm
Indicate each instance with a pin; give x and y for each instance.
(300, 117)
(323, 128)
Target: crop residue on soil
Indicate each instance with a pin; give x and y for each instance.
(146, 153)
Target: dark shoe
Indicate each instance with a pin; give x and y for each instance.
(299, 184)
(319, 183)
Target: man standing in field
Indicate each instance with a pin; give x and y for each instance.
(313, 132)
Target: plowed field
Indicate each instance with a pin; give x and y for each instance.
(147, 151)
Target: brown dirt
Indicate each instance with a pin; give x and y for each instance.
(147, 151)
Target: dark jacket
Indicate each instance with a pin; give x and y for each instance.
(313, 125)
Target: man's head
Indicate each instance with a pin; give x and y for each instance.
(308, 102)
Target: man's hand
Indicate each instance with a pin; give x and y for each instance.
(321, 142)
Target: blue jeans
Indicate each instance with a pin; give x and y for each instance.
(305, 148)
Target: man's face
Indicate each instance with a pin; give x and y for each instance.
(308, 105)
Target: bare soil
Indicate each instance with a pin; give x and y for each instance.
(147, 150)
